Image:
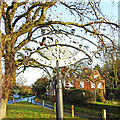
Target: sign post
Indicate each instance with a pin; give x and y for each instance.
(59, 92)
(59, 96)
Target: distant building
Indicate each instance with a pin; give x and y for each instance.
(88, 80)
(91, 81)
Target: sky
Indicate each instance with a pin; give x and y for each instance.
(32, 74)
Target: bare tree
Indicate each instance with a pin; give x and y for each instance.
(23, 23)
(21, 80)
(111, 65)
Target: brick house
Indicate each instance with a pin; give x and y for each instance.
(90, 81)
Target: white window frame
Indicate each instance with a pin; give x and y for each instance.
(99, 85)
(82, 84)
(95, 76)
(92, 85)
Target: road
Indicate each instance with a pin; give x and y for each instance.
(51, 107)
(23, 99)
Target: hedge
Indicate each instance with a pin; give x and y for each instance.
(78, 96)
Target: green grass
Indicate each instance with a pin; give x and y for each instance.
(94, 109)
(112, 112)
(84, 110)
(28, 110)
(111, 103)
(80, 109)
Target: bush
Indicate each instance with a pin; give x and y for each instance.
(99, 96)
(78, 96)
(116, 92)
(39, 87)
(44, 97)
(113, 93)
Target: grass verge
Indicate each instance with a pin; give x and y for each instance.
(31, 111)
(94, 109)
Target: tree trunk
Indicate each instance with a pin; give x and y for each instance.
(8, 80)
(0, 67)
(3, 108)
(6, 86)
(0, 83)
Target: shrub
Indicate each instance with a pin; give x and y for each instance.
(113, 93)
(116, 92)
(39, 86)
(78, 96)
(99, 96)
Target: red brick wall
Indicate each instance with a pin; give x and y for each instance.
(87, 83)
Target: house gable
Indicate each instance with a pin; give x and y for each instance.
(92, 81)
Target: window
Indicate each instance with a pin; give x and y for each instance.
(70, 84)
(68, 75)
(84, 93)
(92, 85)
(81, 84)
(95, 76)
(99, 85)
